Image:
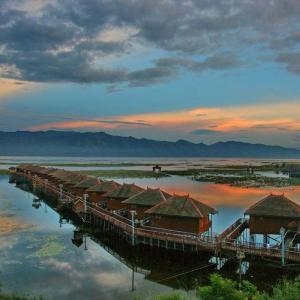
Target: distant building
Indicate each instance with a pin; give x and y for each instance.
(156, 169)
(182, 213)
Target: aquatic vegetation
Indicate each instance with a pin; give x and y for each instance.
(245, 181)
(4, 172)
(124, 173)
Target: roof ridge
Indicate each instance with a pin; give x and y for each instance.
(133, 196)
(191, 200)
(162, 194)
(258, 202)
(287, 202)
(158, 205)
(292, 203)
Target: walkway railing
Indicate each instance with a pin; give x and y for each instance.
(210, 242)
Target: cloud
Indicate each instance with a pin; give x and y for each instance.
(72, 40)
(90, 124)
(291, 61)
(214, 62)
(262, 117)
(9, 87)
(204, 132)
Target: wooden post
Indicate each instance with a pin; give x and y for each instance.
(133, 212)
(282, 233)
(61, 191)
(240, 256)
(45, 185)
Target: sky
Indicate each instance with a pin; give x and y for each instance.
(199, 70)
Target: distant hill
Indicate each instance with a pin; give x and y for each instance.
(68, 143)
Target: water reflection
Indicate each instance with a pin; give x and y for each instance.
(230, 201)
(47, 255)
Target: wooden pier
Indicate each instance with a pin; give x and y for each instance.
(226, 243)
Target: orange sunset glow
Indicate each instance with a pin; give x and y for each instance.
(216, 119)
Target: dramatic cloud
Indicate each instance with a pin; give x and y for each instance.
(76, 40)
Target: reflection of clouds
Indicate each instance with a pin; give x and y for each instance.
(85, 277)
(110, 279)
(9, 225)
(64, 267)
(8, 242)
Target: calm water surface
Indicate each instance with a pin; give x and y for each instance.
(37, 256)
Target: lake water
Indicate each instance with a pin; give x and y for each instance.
(37, 256)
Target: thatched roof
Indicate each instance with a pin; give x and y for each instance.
(124, 191)
(182, 206)
(74, 178)
(60, 174)
(148, 197)
(275, 206)
(104, 187)
(47, 171)
(88, 182)
(24, 166)
(30, 167)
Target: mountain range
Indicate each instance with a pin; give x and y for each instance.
(69, 143)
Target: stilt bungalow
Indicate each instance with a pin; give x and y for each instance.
(97, 191)
(145, 200)
(81, 187)
(45, 173)
(271, 213)
(181, 213)
(58, 176)
(70, 181)
(123, 192)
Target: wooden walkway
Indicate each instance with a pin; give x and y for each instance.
(232, 232)
(170, 239)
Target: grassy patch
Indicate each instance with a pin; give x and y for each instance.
(247, 181)
(294, 181)
(235, 170)
(90, 164)
(124, 173)
(4, 172)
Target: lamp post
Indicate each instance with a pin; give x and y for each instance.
(282, 233)
(133, 213)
